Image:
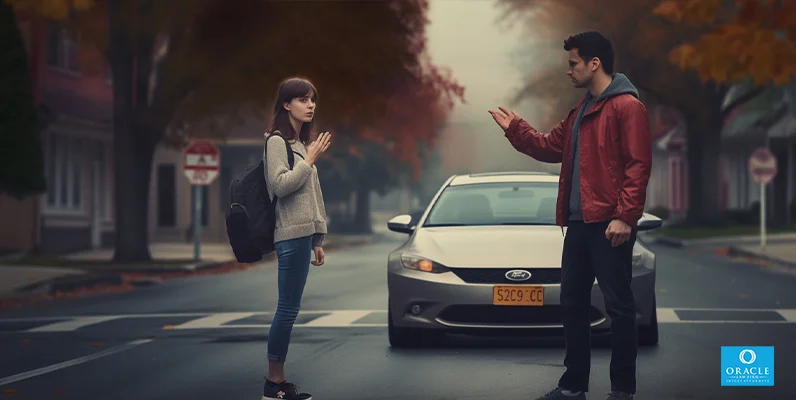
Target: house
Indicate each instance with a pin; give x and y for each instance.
(76, 212)
(667, 192)
(171, 195)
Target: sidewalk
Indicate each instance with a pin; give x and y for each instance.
(780, 247)
(95, 267)
(783, 253)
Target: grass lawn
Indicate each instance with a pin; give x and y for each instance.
(685, 233)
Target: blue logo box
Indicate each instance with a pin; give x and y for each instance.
(747, 365)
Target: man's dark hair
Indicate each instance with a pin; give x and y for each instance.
(592, 44)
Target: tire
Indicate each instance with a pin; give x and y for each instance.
(648, 334)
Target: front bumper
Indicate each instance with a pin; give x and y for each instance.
(448, 302)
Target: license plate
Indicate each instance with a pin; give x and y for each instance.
(518, 295)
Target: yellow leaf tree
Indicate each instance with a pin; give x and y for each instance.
(744, 38)
(178, 64)
(645, 44)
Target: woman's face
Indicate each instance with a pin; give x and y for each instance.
(301, 108)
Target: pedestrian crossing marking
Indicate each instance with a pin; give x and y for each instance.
(789, 315)
(339, 318)
(212, 321)
(667, 315)
(330, 319)
(74, 323)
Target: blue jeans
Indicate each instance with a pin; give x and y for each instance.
(294, 265)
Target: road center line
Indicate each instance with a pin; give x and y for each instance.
(70, 363)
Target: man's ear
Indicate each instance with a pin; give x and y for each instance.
(595, 64)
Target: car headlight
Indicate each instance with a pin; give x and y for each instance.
(421, 264)
(638, 260)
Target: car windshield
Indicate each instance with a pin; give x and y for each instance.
(503, 203)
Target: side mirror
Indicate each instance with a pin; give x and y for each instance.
(648, 222)
(401, 224)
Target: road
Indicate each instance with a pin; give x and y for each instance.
(205, 338)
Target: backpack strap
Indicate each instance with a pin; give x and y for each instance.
(290, 157)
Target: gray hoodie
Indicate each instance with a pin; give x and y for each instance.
(619, 85)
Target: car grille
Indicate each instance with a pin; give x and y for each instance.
(498, 275)
(501, 315)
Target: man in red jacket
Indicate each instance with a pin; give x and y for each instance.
(605, 151)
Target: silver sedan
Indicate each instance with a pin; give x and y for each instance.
(485, 257)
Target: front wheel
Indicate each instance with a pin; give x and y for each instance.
(648, 334)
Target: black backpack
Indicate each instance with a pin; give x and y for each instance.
(251, 218)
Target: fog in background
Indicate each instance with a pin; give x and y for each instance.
(467, 36)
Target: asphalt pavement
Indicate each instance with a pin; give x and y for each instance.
(205, 337)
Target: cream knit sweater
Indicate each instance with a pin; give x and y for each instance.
(300, 210)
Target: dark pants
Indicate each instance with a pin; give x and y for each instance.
(588, 254)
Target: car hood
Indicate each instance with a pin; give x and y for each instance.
(490, 246)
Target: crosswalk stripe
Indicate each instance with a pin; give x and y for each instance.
(339, 318)
(213, 321)
(74, 324)
(789, 315)
(667, 315)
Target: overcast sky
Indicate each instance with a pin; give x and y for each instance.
(465, 35)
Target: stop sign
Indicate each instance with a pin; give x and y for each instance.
(201, 162)
(762, 165)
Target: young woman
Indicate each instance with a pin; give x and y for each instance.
(300, 218)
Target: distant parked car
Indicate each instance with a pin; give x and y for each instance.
(485, 257)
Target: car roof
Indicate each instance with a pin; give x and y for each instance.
(507, 176)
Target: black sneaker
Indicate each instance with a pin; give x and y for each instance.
(558, 394)
(284, 390)
(615, 395)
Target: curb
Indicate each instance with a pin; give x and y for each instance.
(124, 278)
(75, 283)
(736, 251)
(667, 241)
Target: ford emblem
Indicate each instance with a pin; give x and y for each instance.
(518, 275)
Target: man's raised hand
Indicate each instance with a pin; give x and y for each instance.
(503, 117)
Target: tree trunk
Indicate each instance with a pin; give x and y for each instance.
(704, 164)
(362, 223)
(133, 150)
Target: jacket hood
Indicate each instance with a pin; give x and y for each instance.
(619, 85)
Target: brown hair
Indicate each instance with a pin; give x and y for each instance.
(288, 90)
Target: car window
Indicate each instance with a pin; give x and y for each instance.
(495, 204)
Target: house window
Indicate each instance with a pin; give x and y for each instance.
(167, 195)
(62, 49)
(64, 163)
(678, 181)
(101, 152)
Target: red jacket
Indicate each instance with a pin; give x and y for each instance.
(615, 158)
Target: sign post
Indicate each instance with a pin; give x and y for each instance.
(763, 168)
(201, 162)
